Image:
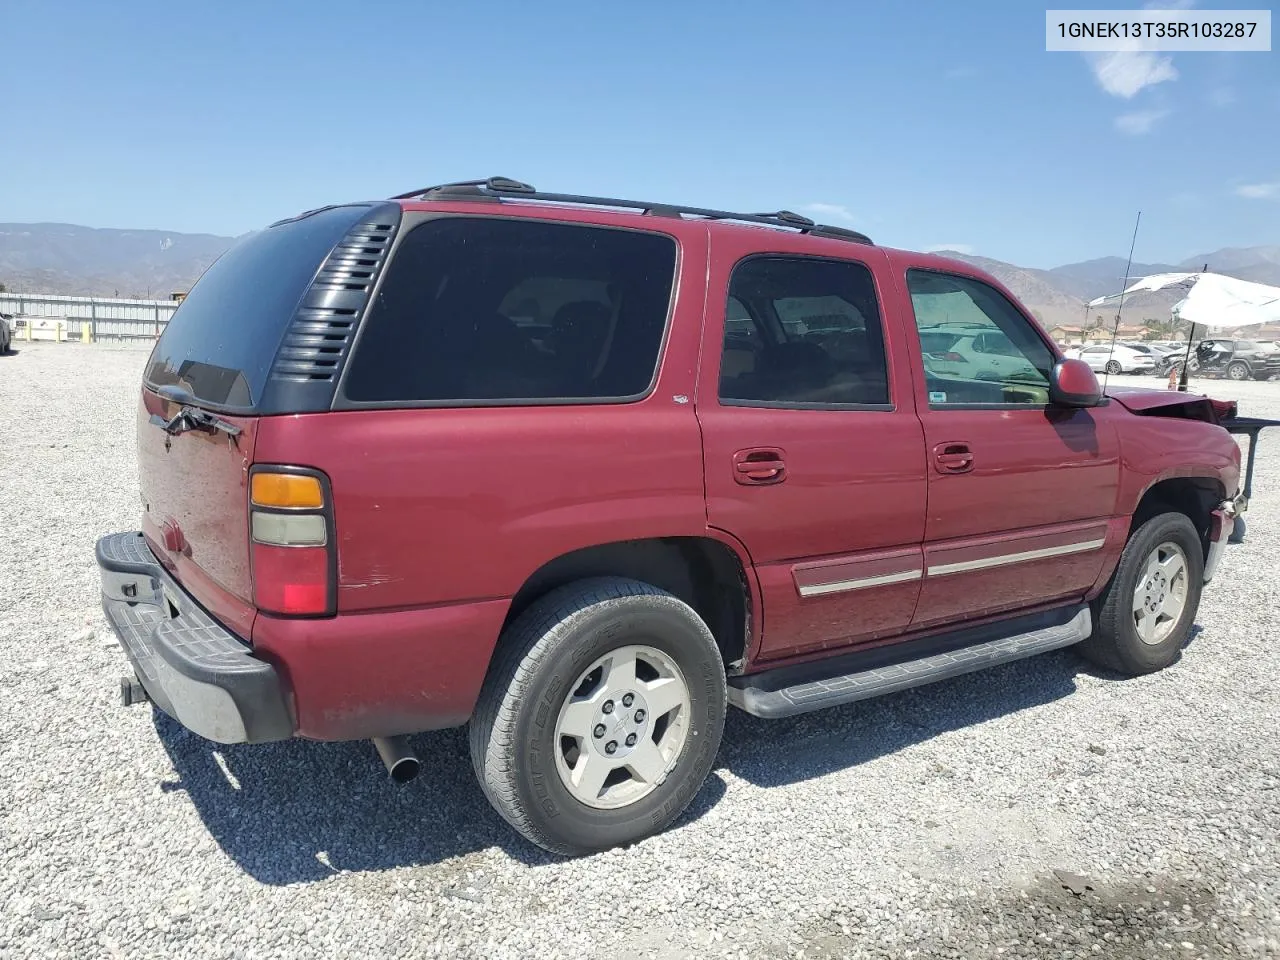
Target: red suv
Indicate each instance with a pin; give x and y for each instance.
(581, 472)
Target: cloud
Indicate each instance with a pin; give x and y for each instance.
(964, 248)
(831, 211)
(1140, 121)
(1125, 73)
(1259, 191)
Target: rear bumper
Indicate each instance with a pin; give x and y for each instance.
(192, 668)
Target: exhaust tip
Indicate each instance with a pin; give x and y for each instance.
(398, 757)
(404, 769)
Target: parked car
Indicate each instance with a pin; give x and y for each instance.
(1235, 359)
(1162, 357)
(696, 475)
(1115, 358)
(6, 332)
(974, 353)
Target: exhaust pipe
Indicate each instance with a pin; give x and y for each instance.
(400, 760)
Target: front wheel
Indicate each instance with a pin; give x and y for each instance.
(601, 716)
(1238, 371)
(1144, 616)
(1113, 367)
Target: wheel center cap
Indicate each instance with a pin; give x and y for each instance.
(621, 723)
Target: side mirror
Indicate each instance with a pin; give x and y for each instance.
(1073, 384)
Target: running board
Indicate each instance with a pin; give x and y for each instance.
(786, 691)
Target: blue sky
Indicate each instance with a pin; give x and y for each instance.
(923, 124)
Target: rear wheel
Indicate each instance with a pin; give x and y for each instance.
(1238, 371)
(601, 716)
(1143, 618)
(1113, 366)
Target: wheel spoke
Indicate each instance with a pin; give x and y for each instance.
(646, 762)
(663, 695)
(1172, 606)
(1173, 565)
(579, 717)
(621, 674)
(1152, 567)
(1139, 601)
(590, 773)
(1146, 627)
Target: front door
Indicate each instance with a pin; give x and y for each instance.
(813, 454)
(1020, 492)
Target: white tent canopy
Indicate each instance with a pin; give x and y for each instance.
(1213, 300)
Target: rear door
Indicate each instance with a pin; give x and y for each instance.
(1020, 493)
(813, 454)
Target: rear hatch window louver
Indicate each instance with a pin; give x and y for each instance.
(319, 337)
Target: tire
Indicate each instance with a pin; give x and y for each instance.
(1238, 371)
(1113, 367)
(545, 661)
(1117, 643)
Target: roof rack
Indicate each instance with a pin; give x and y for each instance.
(497, 188)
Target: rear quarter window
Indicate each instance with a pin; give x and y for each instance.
(481, 310)
(223, 338)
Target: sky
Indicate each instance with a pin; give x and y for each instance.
(925, 125)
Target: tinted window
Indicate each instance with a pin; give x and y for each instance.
(814, 334)
(489, 310)
(223, 338)
(1005, 362)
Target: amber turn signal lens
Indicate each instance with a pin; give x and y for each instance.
(286, 490)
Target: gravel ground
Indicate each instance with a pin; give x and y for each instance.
(930, 823)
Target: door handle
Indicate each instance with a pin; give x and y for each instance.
(953, 458)
(758, 466)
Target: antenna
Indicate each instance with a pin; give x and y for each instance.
(1186, 361)
(1115, 330)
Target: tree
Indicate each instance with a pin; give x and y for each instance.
(3, 288)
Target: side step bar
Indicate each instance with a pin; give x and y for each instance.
(786, 691)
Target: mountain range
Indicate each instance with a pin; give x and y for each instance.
(152, 264)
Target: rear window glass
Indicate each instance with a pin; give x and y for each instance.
(223, 338)
(477, 309)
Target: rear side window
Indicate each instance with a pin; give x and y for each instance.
(477, 309)
(223, 339)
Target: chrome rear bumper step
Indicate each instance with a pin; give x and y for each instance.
(787, 691)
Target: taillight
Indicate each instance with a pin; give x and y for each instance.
(292, 546)
(950, 356)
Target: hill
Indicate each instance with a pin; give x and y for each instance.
(84, 261)
(70, 259)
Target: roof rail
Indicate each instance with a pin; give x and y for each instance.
(497, 188)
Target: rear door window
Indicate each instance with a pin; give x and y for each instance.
(801, 331)
(224, 336)
(475, 310)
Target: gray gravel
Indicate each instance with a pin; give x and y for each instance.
(932, 821)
